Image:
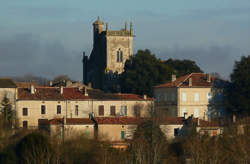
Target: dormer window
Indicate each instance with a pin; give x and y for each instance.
(119, 56)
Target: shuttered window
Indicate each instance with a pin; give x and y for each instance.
(25, 111)
(101, 110)
(112, 110)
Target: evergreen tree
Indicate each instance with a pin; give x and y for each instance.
(7, 114)
(183, 67)
(142, 72)
(238, 93)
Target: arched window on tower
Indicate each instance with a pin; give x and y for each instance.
(119, 56)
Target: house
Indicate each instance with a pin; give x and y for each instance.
(34, 104)
(186, 95)
(8, 88)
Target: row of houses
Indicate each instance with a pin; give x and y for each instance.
(80, 109)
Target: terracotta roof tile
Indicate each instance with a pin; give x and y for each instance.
(40, 94)
(26, 84)
(53, 93)
(119, 120)
(198, 80)
(71, 121)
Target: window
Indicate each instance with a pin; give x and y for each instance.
(196, 113)
(209, 96)
(214, 132)
(196, 97)
(25, 111)
(119, 56)
(173, 97)
(43, 109)
(25, 124)
(58, 109)
(9, 95)
(123, 111)
(176, 131)
(157, 97)
(101, 110)
(112, 110)
(122, 135)
(76, 110)
(184, 110)
(165, 97)
(184, 97)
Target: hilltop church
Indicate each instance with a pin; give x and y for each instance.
(110, 51)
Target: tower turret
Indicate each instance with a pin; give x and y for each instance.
(98, 27)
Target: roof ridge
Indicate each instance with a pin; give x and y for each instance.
(185, 79)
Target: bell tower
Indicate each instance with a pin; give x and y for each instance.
(98, 27)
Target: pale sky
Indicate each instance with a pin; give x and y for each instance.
(47, 37)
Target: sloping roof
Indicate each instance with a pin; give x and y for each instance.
(53, 93)
(198, 80)
(172, 121)
(7, 83)
(204, 123)
(119, 120)
(26, 84)
(71, 121)
(45, 93)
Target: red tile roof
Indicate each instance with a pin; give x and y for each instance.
(26, 84)
(172, 121)
(204, 123)
(71, 121)
(119, 120)
(53, 93)
(198, 80)
(40, 94)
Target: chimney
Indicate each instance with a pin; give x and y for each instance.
(90, 85)
(185, 115)
(173, 77)
(85, 92)
(61, 90)
(190, 82)
(50, 83)
(208, 78)
(32, 89)
(234, 118)
(64, 121)
(144, 96)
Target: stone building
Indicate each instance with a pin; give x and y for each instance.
(8, 89)
(190, 94)
(111, 49)
(35, 105)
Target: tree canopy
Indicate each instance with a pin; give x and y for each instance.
(183, 67)
(238, 94)
(143, 71)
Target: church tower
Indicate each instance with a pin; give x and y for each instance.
(111, 49)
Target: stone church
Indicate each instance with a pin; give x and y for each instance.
(111, 49)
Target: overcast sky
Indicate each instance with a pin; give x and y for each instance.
(47, 37)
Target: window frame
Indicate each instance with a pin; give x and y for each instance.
(77, 110)
(43, 109)
(101, 110)
(196, 97)
(58, 109)
(184, 96)
(25, 124)
(25, 111)
(112, 110)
